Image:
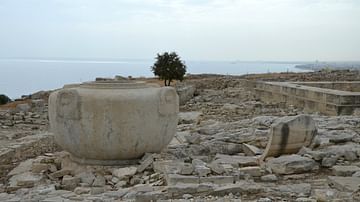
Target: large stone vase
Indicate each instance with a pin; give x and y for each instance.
(111, 123)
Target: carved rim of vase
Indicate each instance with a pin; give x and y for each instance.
(118, 84)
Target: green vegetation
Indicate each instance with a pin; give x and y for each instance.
(4, 99)
(169, 67)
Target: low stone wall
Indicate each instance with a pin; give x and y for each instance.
(24, 148)
(343, 86)
(312, 99)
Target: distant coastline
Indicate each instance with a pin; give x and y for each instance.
(316, 66)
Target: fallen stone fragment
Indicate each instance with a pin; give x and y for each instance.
(289, 134)
(193, 138)
(172, 179)
(349, 184)
(39, 167)
(292, 164)
(217, 167)
(254, 171)
(299, 190)
(240, 187)
(236, 161)
(269, 178)
(324, 194)
(151, 196)
(149, 159)
(217, 180)
(86, 177)
(69, 182)
(23, 167)
(186, 169)
(345, 171)
(122, 173)
(99, 181)
(61, 173)
(24, 180)
(200, 168)
(82, 190)
(189, 117)
(181, 189)
(329, 161)
(305, 200)
(251, 150)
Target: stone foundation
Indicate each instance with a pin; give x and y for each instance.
(329, 98)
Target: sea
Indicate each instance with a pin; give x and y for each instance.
(26, 76)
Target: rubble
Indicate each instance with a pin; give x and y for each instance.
(216, 155)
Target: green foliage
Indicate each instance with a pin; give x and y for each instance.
(4, 99)
(169, 67)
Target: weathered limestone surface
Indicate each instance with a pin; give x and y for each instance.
(106, 122)
(289, 134)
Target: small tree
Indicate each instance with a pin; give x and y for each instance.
(4, 99)
(169, 67)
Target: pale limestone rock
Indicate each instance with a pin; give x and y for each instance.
(146, 162)
(186, 169)
(99, 181)
(189, 117)
(302, 190)
(349, 184)
(217, 167)
(269, 178)
(217, 180)
(86, 177)
(237, 161)
(345, 171)
(122, 173)
(39, 167)
(240, 187)
(251, 150)
(289, 134)
(292, 164)
(69, 182)
(172, 179)
(61, 173)
(200, 168)
(254, 171)
(23, 167)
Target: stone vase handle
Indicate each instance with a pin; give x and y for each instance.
(68, 105)
(169, 101)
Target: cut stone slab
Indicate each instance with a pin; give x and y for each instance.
(254, 171)
(122, 173)
(236, 161)
(148, 160)
(25, 180)
(23, 167)
(172, 179)
(347, 184)
(216, 167)
(61, 173)
(218, 179)
(302, 189)
(186, 169)
(289, 134)
(251, 150)
(240, 187)
(292, 164)
(345, 171)
(180, 189)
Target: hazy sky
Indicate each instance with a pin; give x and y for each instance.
(197, 29)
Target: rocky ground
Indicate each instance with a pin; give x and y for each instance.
(213, 157)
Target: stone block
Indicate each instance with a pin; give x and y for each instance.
(254, 171)
(347, 184)
(345, 171)
(292, 164)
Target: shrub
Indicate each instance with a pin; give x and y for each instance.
(169, 67)
(4, 99)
